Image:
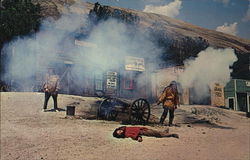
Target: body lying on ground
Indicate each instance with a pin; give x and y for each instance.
(136, 132)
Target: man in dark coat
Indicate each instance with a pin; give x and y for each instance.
(136, 132)
(170, 99)
(51, 87)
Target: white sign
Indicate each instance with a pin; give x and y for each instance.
(134, 64)
(248, 83)
(111, 80)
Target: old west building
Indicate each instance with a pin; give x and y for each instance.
(237, 95)
(129, 80)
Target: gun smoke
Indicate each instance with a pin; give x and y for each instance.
(211, 66)
(110, 42)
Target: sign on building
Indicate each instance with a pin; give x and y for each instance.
(248, 83)
(111, 80)
(217, 95)
(134, 64)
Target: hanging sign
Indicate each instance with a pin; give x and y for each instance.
(134, 64)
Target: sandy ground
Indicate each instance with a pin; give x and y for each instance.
(29, 134)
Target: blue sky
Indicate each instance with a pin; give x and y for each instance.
(227, 16)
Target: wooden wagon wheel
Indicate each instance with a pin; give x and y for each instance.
(140, 111)
(107, 109)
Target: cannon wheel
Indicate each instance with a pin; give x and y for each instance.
(140, 111)
(107, 110)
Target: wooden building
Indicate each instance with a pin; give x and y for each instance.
(237, 95)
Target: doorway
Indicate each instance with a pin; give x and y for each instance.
(231, 103)
(242, 101)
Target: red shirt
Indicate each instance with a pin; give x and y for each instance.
(133, 132)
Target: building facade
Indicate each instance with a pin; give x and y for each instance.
(237, 95)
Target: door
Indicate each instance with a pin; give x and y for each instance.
(195, 98)
(231, 103)
(242, 101)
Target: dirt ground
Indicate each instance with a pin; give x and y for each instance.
(205, 132)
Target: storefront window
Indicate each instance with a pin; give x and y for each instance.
(98, 81)
(128, 81)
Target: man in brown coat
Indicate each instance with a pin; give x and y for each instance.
(170, 99)
(51, 87)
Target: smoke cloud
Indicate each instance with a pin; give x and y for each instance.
(228, 28)
(115, 40)
(31, 55)
(172, 9)
(109, 42)
(106, 45)
(211, 65)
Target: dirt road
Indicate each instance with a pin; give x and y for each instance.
(29, 134)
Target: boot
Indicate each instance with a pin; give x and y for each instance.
(161, 122)
(175, 135)
(170, 124)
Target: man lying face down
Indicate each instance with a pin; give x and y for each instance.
(136, 132)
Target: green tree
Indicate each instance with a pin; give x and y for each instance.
(17, 18)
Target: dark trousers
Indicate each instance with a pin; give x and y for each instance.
(47, 96)
(158, 134)
(165, 113)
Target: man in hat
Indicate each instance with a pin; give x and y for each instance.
(170, 99)
(51, 87)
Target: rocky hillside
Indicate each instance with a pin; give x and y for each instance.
(180, 40)
(54, 8)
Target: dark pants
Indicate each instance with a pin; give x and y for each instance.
(158, 134)
(165, 113)
(47, 96)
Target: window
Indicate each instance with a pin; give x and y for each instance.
(128, 81)
(98, 81)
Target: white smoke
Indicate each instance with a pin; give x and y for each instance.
(114, 40)
(247, 16)
(32, 54)
(211, 65)
(110, 42)
(228, 28)
(172, 9)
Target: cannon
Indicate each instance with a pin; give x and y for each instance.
(137, 110)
